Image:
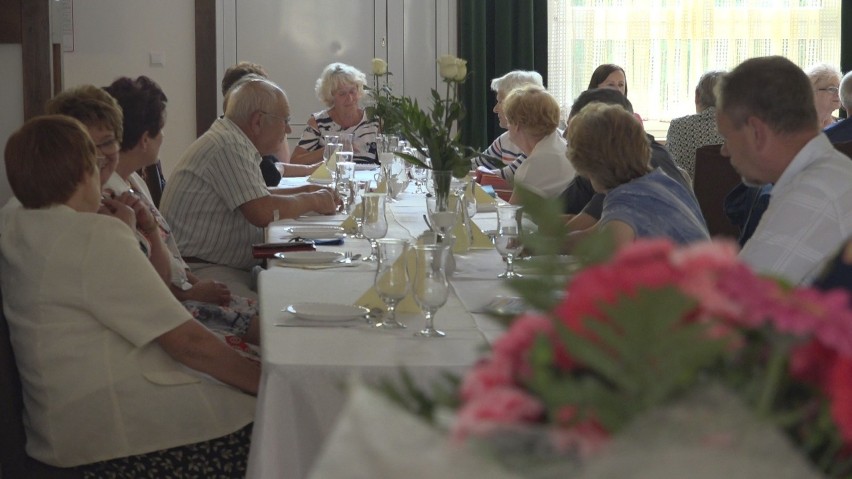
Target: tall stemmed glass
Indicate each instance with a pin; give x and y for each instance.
(347, 142)
(419, 174)
(344, 184)
(329, 150)
(430, 285)
(357, 210)
(374, 224)
(508, 238)
(391, 280)
(329, 153)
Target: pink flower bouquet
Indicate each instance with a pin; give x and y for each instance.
(655, 321)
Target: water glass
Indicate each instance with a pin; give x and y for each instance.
(430, 284)
(507, 241)
(347, 142)
(374, 223)
(443, 214)
(391, 281)
(345, 176)
(329, 150)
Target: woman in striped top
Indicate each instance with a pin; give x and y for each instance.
(340, 87)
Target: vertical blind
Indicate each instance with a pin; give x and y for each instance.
(664, 46)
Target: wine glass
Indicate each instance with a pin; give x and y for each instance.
(508, 238)
(343, 183)
(442, 215)
(374, 224)
(430, 285)
(360, 187)
(419, 176)
(391, 280)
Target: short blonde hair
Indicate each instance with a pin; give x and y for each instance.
(93, 106)
(607, 145)
(47, 158)
(533, 109)
(335, 75)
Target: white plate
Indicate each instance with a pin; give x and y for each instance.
(317, 232)
(309, 257)
(327, 311)
(366, 166)
(320, 181)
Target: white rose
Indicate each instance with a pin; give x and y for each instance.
(380, 67)
(461, 67)
(448, 67)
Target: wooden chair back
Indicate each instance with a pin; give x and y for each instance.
(714, 178)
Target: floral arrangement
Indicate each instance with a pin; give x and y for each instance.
(434, 133)
(640, 328)
(381, 97)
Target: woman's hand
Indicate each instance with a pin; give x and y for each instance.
(144, 218)
(117, 209)
(209, 291)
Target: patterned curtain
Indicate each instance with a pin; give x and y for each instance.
(665, 45)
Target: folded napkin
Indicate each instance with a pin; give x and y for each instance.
(349, 225)
(465, 240)
(321, 173)
(370, 299)
(476, 239)
(382, 187)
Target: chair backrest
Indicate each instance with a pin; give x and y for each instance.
(155, 180)
(14, 461)
(714, 178)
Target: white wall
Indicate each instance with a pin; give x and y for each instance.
(11, 104)
(114, 38)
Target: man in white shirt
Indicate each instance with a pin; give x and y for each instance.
(768, 120)
(216, 200)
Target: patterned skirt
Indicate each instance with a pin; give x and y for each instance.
(225, 457)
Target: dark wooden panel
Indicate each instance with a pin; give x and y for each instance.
(35, 48)
(205, 64)
(10, 21)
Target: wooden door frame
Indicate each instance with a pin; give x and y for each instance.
(205, 65)
(27, 22)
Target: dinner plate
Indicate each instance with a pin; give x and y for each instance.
(327, 311)
(317, 232)
(366, 166)
(309, 257)
(321, 181)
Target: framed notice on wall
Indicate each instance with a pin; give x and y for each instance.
(62, 24)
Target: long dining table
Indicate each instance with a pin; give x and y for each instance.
(306, 367)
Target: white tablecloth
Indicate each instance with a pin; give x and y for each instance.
(305, 369)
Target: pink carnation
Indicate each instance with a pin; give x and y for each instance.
(514, 345)
(498, 407)
(494, 372)
(840, 394)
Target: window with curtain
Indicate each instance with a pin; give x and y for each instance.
(664, 46)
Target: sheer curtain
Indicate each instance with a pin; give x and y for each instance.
(665, 45)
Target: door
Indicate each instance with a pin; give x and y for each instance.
(294, 41)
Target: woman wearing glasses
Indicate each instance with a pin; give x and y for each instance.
(102, 117)
(118, 379)
(340, 87)
(826, 82)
